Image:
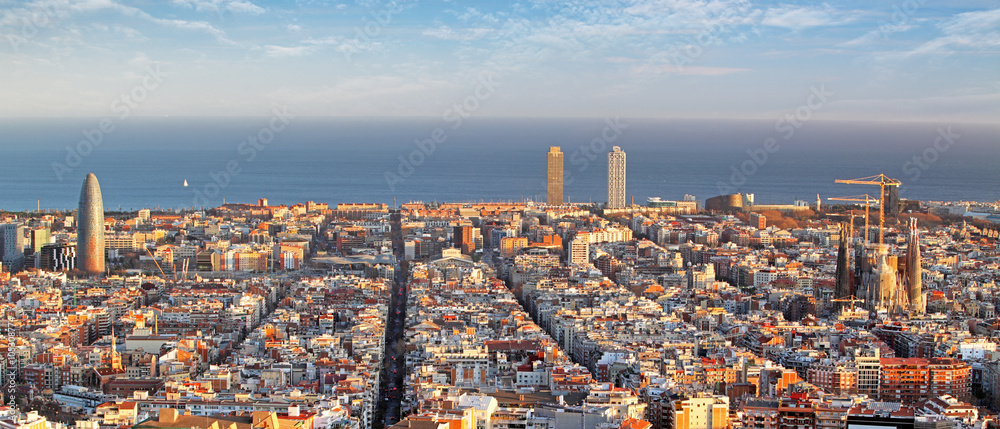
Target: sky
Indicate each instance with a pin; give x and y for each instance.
(895, 60)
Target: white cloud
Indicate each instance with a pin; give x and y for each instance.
(306, 47)
(965, 32)
(969, 30)
(129, 32)
(875, 36)
(216, 6)
(47, 14)
(195, 26)
(587, 31)
(801, 17)
(687, 70)
(571, 51)
(447, 33)
(288, 51)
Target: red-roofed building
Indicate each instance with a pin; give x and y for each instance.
(910, 380)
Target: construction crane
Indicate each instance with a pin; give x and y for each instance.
(157, 263)
(881, 180)
(852, 299)
(865, 198)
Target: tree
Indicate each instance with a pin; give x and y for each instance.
(923, 219)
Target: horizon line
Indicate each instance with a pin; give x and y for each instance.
(514, 117)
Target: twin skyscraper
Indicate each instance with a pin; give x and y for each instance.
(616, 177)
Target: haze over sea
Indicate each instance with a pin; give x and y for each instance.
(144, 161)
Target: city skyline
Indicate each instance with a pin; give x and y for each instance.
(912, 60)
(335, 214)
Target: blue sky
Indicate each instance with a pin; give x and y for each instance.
(912, 60)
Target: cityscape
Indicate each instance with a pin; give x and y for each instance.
(871, 311)
(575, 214)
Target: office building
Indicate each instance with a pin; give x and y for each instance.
(90, 228)
(39, 237)
(616, 178)
(12, 246)
(703, 411)
(579, 251)
(462, 238)
(555, 176)
(57, 257)
(510, 245)
(868, 362)
(891, 199)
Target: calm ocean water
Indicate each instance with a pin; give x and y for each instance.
(144, 161)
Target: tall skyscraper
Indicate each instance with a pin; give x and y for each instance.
(90, 228)
(555, 176)
(12, 246)
(891, 200)
(463, 239)
(616, 178)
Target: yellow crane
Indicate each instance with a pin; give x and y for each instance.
(157, 263)
(852, 299)
(865, 198)
(882, 181)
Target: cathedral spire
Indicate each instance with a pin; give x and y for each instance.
(914, 272)
(116, 358)
(844, 273)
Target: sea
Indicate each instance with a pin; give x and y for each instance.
(144, 162)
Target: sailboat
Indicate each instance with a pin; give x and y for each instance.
(185, 183)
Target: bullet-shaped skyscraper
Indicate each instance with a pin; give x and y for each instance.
(555, 176)
(90, 228)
